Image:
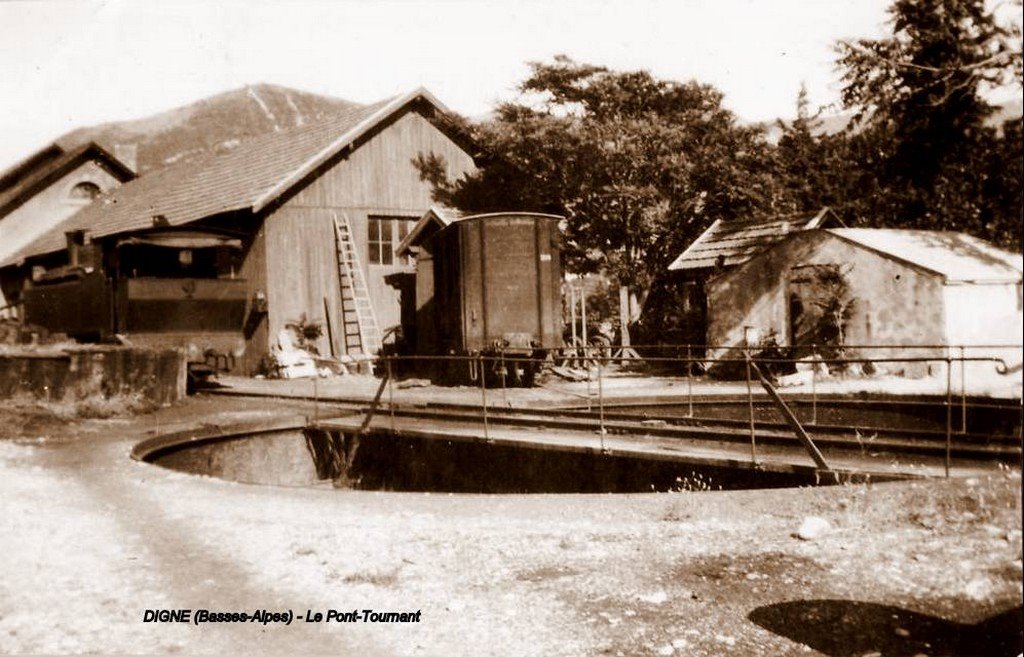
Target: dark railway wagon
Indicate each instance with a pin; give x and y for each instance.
(490, 285)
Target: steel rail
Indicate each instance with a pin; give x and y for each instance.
(541, 418)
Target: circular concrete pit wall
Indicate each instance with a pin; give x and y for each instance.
(278, 458)
(300, 456)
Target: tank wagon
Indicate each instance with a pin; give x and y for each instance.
(164, 289)
(486, 285)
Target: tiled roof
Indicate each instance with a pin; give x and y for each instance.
(958, 257)
(729, 243)
(250, 176)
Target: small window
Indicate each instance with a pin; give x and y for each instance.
(84, 192)
(384, 234)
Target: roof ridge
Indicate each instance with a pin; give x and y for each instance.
(249, 176)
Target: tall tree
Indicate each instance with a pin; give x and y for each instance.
(921, 112)
(812, 167)
(639, 166)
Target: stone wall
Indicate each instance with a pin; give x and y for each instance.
(55, 374)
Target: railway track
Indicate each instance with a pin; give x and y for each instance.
(829, 438)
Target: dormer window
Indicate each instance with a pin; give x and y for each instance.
(84, 192)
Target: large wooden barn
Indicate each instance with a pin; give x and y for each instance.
(298, 203)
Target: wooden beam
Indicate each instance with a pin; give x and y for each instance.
(794, 423)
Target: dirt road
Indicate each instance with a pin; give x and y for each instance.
(91, 539)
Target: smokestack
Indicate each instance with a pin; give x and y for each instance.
(78, 255)
(128, 154)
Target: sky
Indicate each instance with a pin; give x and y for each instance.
(69, 64)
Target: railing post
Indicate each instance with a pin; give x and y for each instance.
(590, 375)
(483, 394)
(583, 321)
(963, 392)
(689, 379)
(316, 399)
(814, 384)
(949, 409)
(503, 370)
(389, 373)
(572, 318)
(600, 398)
(750, 404)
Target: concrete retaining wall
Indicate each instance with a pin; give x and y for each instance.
(157, 375)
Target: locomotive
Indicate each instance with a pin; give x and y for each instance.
(168, 288)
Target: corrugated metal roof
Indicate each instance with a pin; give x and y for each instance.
(250, 176)
(958, 257)
(729, 243)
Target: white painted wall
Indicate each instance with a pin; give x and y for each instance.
(978, 315)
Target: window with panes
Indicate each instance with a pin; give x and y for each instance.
(384, 234)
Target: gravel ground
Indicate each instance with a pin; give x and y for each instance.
(91, 539)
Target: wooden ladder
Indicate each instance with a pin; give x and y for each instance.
(359, 323)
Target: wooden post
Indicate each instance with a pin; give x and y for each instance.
(794, 423)
(330, 330)
(625, 314)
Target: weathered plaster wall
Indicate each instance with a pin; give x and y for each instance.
(896, 303)
(981, 317)
(49, 207)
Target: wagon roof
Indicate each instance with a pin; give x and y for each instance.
(735, 241)
(957, 257)
(440, 217)
(251, 176)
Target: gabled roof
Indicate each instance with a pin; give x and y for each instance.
(957, 257)
(733, 242)
(250, 177)
(20, 182)
(433, 220)
(17, 171)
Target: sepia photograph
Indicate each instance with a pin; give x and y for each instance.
(513, 328)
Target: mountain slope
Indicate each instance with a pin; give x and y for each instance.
(209, 125)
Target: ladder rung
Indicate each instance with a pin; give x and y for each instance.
(359, 325)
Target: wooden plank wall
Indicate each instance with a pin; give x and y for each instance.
(377, 178)
(303, 271)
(254, 270)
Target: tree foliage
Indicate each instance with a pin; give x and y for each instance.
(641, 166)
(921, 136)
(638, 166)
